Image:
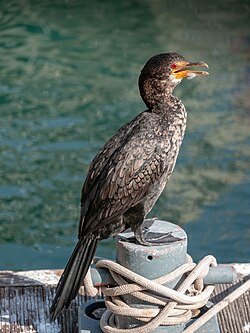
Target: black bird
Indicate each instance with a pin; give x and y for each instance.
(129, 173)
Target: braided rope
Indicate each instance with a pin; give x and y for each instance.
(165, 306)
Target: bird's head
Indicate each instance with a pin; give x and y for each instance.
(163, 72)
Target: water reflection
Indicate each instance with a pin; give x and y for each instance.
(69, 80)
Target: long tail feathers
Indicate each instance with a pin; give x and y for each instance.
(73, 275)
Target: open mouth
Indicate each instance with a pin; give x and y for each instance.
(181, 69)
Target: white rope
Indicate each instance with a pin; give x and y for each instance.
(218, 307)
(165, 306)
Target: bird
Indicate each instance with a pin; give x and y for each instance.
(129, 173)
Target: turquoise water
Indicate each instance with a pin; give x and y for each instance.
(68, 81)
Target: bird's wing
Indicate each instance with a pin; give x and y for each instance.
(99, 164)
(122, 179)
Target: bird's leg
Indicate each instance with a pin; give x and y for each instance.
(145, 237)
(143, 233)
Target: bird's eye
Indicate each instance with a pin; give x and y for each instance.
(173, 66)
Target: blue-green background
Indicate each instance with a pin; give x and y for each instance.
(68, 81)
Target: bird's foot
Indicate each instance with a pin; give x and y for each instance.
(144, 236)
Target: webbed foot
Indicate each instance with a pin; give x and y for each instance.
(145, 237)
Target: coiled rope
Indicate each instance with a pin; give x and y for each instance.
(165, 306)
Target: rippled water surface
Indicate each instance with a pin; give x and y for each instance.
(68, 81)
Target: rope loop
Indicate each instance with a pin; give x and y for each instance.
(164, 306)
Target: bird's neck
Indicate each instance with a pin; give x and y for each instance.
(166, 105)
(158, 95)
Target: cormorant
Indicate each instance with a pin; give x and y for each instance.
(129, 173)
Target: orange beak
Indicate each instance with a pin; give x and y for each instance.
(181, 70)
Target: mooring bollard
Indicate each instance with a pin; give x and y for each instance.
(150, 262)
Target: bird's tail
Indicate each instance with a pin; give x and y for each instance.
(73, 275)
